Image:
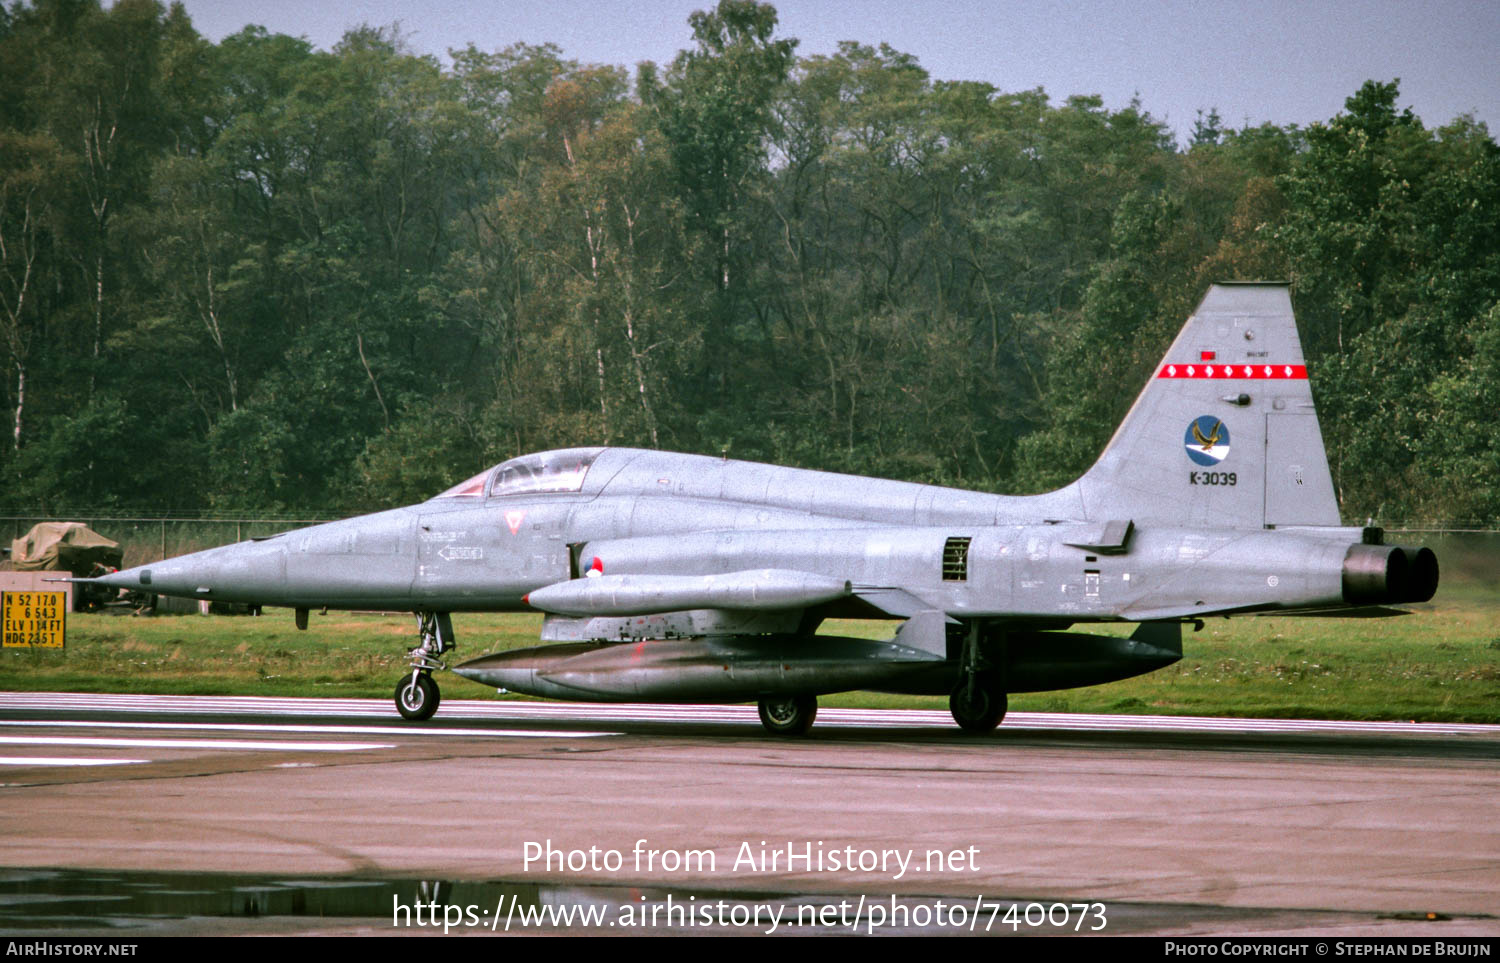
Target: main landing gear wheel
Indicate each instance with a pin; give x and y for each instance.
(417, 696)
(788, 715)
(977, 707)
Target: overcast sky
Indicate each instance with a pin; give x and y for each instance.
(1282, 61)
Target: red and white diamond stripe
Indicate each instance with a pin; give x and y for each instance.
(1281, 372)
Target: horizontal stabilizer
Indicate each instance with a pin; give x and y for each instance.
(1106, 538)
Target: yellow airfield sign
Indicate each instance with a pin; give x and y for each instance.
(33, 619)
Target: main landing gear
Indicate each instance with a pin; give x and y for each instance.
(417, 695)
(788, 715)
(978, 702)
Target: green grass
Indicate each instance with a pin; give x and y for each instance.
(1441, 664)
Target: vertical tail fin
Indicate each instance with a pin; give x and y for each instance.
(1225, 434)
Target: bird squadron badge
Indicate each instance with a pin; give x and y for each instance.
(1206, 442)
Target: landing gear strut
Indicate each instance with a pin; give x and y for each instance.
(978, 702)
(788, 715)
(417, 695)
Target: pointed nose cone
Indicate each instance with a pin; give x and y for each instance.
(244, 572)
(129, 578)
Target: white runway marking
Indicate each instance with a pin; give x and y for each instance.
(292, 727)
(64, 761)
(614, 713)
(190, 744)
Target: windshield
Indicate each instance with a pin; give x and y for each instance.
(550, 471)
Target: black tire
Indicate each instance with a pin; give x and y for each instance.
(979, 710)
(417, 698)
(788, 715)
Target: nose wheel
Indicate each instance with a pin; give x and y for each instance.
(417, 695)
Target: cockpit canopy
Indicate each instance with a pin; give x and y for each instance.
(550, 471)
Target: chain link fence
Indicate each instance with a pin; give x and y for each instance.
(152, 539)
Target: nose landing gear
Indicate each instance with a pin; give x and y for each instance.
(417, 695)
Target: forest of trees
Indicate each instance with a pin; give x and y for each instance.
(258, 277)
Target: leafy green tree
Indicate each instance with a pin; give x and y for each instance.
(1347, 228)
(28, 185)
(1457, 451)
(715, 108)
(263, 277)
(1390, 231)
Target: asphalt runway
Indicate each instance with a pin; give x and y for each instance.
(1170, 825)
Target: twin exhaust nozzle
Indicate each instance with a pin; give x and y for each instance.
(1382, 574)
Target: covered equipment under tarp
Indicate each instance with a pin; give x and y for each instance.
(64, 547)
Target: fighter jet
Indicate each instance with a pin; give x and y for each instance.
(684, 578)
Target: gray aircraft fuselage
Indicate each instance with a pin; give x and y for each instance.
(678, 577)
(657, 513)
